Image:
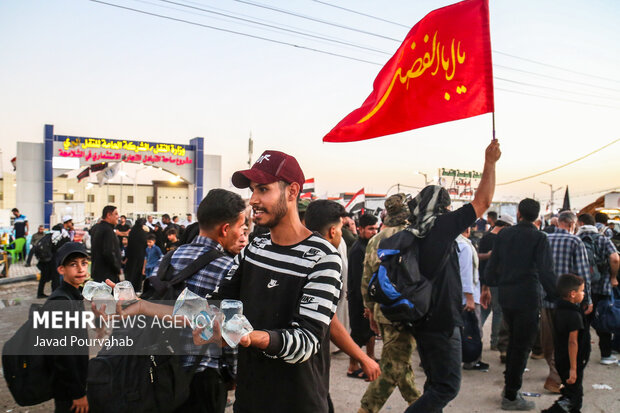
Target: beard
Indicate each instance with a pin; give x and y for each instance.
(278, 212)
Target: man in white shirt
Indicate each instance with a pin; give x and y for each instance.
(150, 223)
(470, 279)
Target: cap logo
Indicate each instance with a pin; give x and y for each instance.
(263, 158)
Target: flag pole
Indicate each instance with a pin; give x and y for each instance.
(493, 114)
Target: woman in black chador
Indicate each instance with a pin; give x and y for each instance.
(136, 250)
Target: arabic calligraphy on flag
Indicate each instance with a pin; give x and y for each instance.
(441, 72)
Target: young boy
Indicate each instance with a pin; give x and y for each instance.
(153, 254)
(124, 243)
(572, 344)
(173, 240)
(71, 371)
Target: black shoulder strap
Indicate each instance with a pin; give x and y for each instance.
(196, 266)
(163, 265)
(446, 257)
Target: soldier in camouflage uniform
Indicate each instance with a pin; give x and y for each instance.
(397, 346)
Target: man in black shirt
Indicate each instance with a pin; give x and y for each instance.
(122, 228)
(521, 259)
(360, 327)
(484, 253)
(167, 224)
(106, 250)
(439, 337)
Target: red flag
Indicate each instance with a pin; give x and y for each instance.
(441, 72)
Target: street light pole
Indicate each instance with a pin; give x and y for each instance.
(390, 188)
(135, 188)
(425, 177)
(553, 191)
(89, 186)
(120, 202)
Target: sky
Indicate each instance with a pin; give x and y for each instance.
(99, 71)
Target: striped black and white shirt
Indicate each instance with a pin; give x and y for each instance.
(292, 293)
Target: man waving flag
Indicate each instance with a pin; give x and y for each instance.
(440, 73)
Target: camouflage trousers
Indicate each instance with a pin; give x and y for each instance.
(395, 370)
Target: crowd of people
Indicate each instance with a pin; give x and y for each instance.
(300, 268)
(117, 248)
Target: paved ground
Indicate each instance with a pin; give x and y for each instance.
(19, 269)
(479, 391)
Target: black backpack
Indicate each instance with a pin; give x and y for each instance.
(166, 285)
(44, 248)
(145, 383)
(29, 378)
(596, 259)
(403, 293)
(134, 384)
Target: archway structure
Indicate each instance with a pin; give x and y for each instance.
(62, 153)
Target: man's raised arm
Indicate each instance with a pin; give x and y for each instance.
(486, 188)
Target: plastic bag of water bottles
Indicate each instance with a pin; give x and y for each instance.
(190, 305)
(235, 329)
(124, 291)
(102, 297)
(91, 287)
(231, 307)
(100, 294)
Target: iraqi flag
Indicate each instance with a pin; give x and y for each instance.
(357, 202)
(308, 189)
(308, 185)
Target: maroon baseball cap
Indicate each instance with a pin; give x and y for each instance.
(271, 166)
